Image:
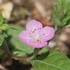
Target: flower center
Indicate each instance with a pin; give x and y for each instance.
(36, 38)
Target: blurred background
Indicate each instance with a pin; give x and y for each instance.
(20, 11)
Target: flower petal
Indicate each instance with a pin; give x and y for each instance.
(39, 45)
(25, 37)
(47, 33)
(33, 25)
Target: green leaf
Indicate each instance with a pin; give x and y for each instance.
(15, 44)
(52, 60)
(61, 13)
(3, 29)
(1, 39)
(43, 50)
(5, 26)
(1, 19)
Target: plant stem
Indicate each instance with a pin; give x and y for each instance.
(35, 53)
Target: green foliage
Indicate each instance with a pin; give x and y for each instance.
(17, 47)
(1, 19)
(3, 29)
(3, 25)
(61, 13)
(43, 50)
(52, 60)
(1, 39)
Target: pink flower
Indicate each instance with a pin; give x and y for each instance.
(36, 35)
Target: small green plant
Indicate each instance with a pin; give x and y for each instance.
(61, 13)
